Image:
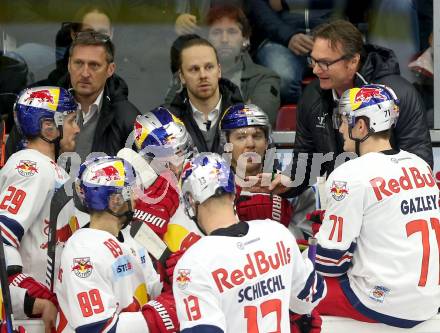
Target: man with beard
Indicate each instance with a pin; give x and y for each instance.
(205, 96)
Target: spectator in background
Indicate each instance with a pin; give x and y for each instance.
(283, 28)
(192, 13)
(229, 32)
(205, 95)
(341, 61)
(87, 18)
(106, 115)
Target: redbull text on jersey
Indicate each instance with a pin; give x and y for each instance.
(41, 96)
(258, 263)
(408, 181)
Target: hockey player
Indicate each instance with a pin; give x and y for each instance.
(247, 128)
(267, 276)
(162, 139)
(378, 244)
(106, 279)
(46, 116)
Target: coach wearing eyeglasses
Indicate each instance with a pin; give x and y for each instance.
(106, 115)
(341, 61)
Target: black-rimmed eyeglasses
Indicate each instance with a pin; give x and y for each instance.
(324, 65)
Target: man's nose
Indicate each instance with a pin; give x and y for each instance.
(224, 37)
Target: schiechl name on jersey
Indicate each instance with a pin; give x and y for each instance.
(261, 288)
(258, 263)
(408, 181)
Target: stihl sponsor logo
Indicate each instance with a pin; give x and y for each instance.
(411, 178)
(258, 263)
(149, 218)
(163, 313)
(276, 208)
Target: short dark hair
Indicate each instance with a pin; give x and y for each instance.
(195, 42)
(343, 32)
(386, 134)
(232, 12)
(176, 48)
(91, 37)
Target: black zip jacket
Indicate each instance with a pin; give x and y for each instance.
(315, 132)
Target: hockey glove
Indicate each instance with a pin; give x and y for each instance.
(260, 206)
(160, 314)
(157, 206)
(34, 288)
(305, 323)
(316, 217)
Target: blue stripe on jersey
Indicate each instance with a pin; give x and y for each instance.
(367, 312)
(203, 329)
(97, 327)
(306, 291)
(333, 270)
(320, 286)
(312, 289)
(12, 225)
(333, 262)
(334, 254)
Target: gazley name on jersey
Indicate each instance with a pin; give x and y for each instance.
(408, 181)
(258, 263)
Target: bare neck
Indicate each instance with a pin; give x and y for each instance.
(205, 105)
(372, 145)
(105, 222)
(43, 147)
(216, 215)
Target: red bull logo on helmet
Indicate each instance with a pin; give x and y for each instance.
(364, 95)
(82, 267)
(41, 96)
(109, 173)
(339, 190)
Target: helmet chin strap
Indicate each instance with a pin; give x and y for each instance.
(357, 141)
(128, 215)
(55, 141)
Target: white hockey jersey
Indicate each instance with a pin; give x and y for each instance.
(27, 184)
(103, 282)
(243, 284)
(382, 228)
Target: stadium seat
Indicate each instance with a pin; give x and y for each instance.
(286, 118)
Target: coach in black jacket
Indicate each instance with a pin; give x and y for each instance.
(341, 61)
(102, 95)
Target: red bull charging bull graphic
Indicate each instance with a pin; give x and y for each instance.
(41, 96)
(364, 95)
(27, 168)
(82, 267)
(339, 190)
(109, 173)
